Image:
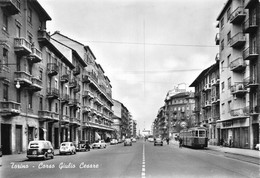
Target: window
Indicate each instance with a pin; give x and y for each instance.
(228, 37)
(41, 104)
(18, 95)
(222, 86)
(223, 108)
(228, 61)
(229, 106)
(40, 74)
(5, 56)
(222, 66)
(229, 82)
(5, 22)
(30, 16)
(222, 23)
(30, 100)
(222, 45)
(56, 107)
(5, 92)
(228, 14)
(18, 31)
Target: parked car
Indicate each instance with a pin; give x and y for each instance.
(40, 149)
(113, 141)
(67, 147)
(257, 146)
(150, 139)
(133, 139)
(99, 144)
(158, 141)
(83, 146)
(127, 142)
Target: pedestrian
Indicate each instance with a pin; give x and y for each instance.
(167, 140)
(180, 142)
(230, 141)
(221, 142)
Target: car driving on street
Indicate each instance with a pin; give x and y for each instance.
(67, 147)
(40, 149)
(158, 141)
(99, 144)
(127, 142)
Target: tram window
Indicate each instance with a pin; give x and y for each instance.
(201, 133)
(196, 133)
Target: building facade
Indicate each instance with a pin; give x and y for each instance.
(207, 101)
(48, 90)
(238, 41)
(121, 120)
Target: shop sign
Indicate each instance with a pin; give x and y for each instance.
(227, 124)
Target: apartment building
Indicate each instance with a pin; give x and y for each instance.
(160, 124)
(29, 78)
(179, 112)
(238, 67)
(120, 120)
(96, 93)
(207, 101)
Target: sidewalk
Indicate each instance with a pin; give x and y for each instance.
(237, 151)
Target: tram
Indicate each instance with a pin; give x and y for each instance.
(195, 137)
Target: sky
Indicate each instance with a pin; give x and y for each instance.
(146, 47)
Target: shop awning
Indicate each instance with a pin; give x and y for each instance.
(97, 136)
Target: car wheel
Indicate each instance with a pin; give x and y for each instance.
(154, 144)
(45, 156)
(52, 156)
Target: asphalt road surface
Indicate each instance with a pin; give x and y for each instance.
(141, 160)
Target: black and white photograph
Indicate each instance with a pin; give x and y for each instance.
(129, 88)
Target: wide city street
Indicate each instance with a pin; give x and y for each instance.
(142, 159)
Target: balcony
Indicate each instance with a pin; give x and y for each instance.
(10, 108)
(208, 103)
(36, 84)
(76, 89)
(44, 115)
(98, 101)
(215, 99)
(238, 40)
(22, 46)
(52, 93)
(240, 113)
(73, 83)
(215, 81)
(65, 98)
(207, 87)
(217, 38)
(64, 78)
(254, 110)
(76, 71)
(52, 69)
(238, 89)
(35, 56)
(238, 65)
(250, 53)
(74, 121)
(55, 116)
(74, 103)
(24, 79)
(250, 3)
(250, 25)
(217, 58)
(43, 37)
(65, 119)
(90, 77)
(87, 93)
(86, 109)
(11, 6)
(251, 82)
(238, 15)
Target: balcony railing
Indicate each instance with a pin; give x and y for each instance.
(238, 15)
(74, 103)
(35, 56)
(52, 93)
(73, 83)
(250, 53)
(43, 37)
(238, 40)
(238, 89)
(52, 69)
(11, 6)
(65, 98)
(254, 110)
(250, 25)
(76, 71)
(76, 89)
(10, 108)
(240, 112)
(44, 115)
(238, 65)
(24, 78)
(36, 84)
(251, 82)
(87, 93)
(64, 78)
(22, 46)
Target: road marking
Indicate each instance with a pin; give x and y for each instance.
(143, 163)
